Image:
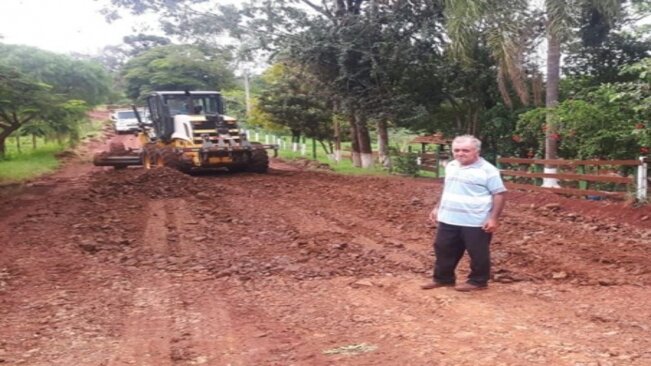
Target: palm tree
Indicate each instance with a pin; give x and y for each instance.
(562, 15)
(502, 22)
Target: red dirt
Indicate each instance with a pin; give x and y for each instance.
(304, 267)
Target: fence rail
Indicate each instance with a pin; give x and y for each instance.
(609, 182)
(586, 178)
(562, 162)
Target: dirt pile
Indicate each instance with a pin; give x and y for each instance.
(308, 164)
(156, 183)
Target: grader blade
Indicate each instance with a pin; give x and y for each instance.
(118, 157)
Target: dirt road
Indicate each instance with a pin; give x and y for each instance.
(299, 267)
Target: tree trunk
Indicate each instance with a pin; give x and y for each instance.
(537, 88)
(2, 147)
(18, 144)
(296, 140)
(383, 143)
(364, 139)
(337, 136)
(4, 135)
(354, 143)
(33, 142)
(326, 150)
(551, 101)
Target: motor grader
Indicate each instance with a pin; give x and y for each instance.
(189, 131)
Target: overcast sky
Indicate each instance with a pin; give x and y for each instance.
(61, 26)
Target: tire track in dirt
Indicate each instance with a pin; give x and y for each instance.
(324, 218)
(207, 332)
(187, 309)
(242, 334)
(147, 334)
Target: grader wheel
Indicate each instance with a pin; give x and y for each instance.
(259, 161)
(169, 158)
(149, 159)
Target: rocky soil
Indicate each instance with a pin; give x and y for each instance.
(305, 267)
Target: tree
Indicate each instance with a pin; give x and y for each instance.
(67, 77)
(590, 65)
(607, 122)
(22, 100)
(560, 18)
(505, 28)
(290, 102)
(360, 52)
(355, 50)
(114, 57)
(42, 87)
(177, 67)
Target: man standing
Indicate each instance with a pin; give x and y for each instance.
(467, 215)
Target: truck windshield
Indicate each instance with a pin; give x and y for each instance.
(202, 104)
(126, 115)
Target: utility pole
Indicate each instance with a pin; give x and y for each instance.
(246, 92)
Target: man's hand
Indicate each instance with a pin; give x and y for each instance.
(490, 226)
(432, 215)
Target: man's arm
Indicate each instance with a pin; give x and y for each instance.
(434, 213)
(492, 223)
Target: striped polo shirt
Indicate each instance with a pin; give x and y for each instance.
(468, 192)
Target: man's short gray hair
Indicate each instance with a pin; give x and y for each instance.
(465, 138)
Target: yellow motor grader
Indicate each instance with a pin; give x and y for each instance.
(189, 131)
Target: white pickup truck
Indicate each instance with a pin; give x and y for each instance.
(124, 120)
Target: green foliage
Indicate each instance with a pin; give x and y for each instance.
(47, 90)
(177, 67)
(592, 65)
(235, 104)
(30, 164)
(345, 166)
(530, 132)
(497, 133)
(610, 122)
(388, 61)
(404, 162)
(66, 118)
(67, 77)
(289, 101)
(258, 119)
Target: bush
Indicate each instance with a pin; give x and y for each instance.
(404, 163)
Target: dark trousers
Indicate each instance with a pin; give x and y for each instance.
(450, 244)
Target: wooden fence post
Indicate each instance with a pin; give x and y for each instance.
(582, 183)
(538, 169)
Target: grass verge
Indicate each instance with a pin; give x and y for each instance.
(27, 162)
(345, 166)
(26, 166)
